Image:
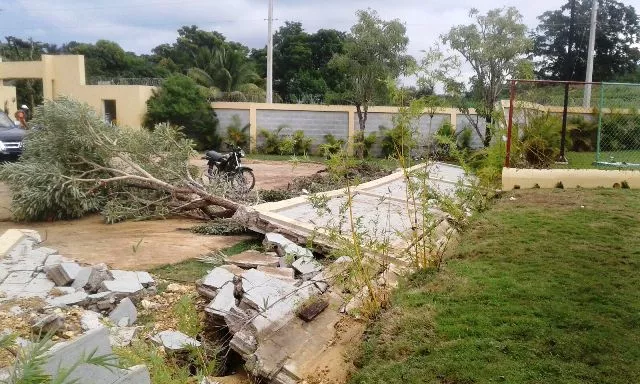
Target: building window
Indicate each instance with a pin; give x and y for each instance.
(109, 107)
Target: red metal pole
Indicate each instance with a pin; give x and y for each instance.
(507, 159)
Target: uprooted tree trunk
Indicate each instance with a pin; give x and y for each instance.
(76, 164)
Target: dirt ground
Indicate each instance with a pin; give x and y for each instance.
(143, 245)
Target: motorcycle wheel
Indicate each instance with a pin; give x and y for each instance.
(244, 181)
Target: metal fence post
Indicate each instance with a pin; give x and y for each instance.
(600, 112)
(507, 159)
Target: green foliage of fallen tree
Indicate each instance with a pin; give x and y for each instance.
(77, 164)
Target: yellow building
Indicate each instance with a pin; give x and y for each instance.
(64, 75)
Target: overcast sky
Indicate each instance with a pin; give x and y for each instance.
(140, 25)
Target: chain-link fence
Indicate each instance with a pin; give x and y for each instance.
(554, 124)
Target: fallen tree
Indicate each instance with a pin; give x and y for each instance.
(77, 164)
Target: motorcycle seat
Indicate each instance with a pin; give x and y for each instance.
(215, 156)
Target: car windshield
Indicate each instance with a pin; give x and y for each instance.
(5, 122)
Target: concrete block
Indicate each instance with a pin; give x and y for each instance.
(122, 336)
(145, 279)
(91, 320)
(39, 287)
(77, 298)
(307, 266)
(205, 291)
(127, 287)
(223, 302)
(138, 374)
(217, 278)
(174, 340)
(99, 274)
(124, 310)
(343, 259)
(253, 259)
(295, 251)
(54, 259)
(272, 241)
(82, 278)
(66, 354)
(321, 280)
(124, 275)
(63, 274)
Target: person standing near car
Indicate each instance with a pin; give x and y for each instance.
(21, 116)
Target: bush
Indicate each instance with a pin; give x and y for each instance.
(398, 140)
(181, 103)
(540, 142)
(583, 134)
(272, 140)
(237, 134)
(331, 145)
(363, 144)
(620, 132)
(301, 143)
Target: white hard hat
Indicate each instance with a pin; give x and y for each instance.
(24, 106)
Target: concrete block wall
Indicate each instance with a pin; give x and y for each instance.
(315, 124)
(318, 120)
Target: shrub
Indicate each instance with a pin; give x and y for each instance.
(540, 139)
(331, 145)
(583, 134)
(272, 140)
(237, 134)
(398, 140)
(301, 143)
(363, 144)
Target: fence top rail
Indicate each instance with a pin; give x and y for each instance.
(573, 82)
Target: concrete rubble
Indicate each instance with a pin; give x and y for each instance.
(174, 340)
(105, 299)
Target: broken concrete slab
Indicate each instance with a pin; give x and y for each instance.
(19, 277)
(124, 310)
(321, 280)
(233, 269)
(286, 274)
(244, 343)
(82, 278)
(126, 287)
(307, 266)
(99, 274)
(145, 279)
(39, 288)
(272, 241)
(64, 273)
(295, 251)
(77, 298)
(124, 275)
(138, 374)
(205, 291)
(174, 340)
(253, 259)
(122, 336)
(217, 278)
(223, 301)
(308, 310)
(91, 320)
(262, 291)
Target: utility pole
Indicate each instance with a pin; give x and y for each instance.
(592, 42)
(270, 56)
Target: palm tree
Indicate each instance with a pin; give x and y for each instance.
(226, 74)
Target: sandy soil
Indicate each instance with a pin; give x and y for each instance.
(143, 245)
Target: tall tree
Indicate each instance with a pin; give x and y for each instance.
(617, 32)
(495, 45)
(374, 52)
(301, 60)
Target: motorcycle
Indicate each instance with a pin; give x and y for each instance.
(229, 167)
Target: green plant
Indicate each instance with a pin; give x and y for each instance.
(188, 316)
(398, 140)
(331, 146)
(220, 227)
(625, 185)
(583, 133)
(272, 140)
(363, 143)
(302, 144)
(237, 134)
(540, 142)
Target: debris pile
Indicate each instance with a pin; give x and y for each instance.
(276, 306)
(72, 299)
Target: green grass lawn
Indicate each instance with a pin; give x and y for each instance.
(543, 289)
(585, 160)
